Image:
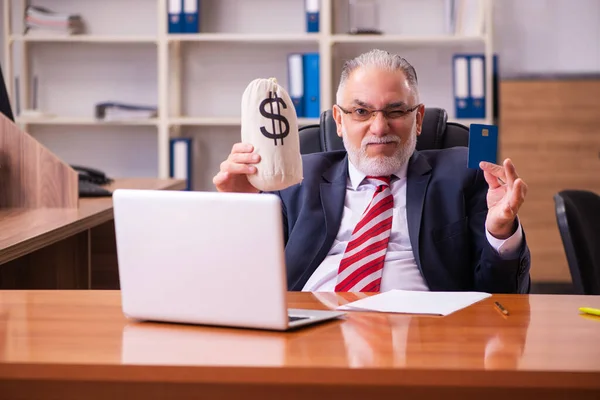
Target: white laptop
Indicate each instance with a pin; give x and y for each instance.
(205, 258)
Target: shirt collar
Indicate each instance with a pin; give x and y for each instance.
(357, 177)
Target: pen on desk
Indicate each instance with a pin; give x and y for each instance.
(501, 308)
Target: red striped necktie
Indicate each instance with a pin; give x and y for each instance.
(362, 265)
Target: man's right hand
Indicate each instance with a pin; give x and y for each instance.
(232, 176)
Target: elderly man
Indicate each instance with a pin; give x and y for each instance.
(381, 215)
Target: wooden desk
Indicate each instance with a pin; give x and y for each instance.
(49, 248)
(76, 344)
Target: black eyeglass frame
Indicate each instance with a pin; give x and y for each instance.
(382, 110)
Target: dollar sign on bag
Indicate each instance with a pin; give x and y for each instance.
(273, 116)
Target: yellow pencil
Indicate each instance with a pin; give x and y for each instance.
(501, 308)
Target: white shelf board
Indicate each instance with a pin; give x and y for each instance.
(85, 38)
(406, 39)
(224, 121)
(83, 121)
(245, 37)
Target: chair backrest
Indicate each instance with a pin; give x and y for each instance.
(437, 133)
(578, 218)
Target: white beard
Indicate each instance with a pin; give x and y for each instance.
(382, 165)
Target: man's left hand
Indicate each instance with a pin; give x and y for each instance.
(505, 196)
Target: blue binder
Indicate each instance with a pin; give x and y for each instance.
(469, 84)
(180, 156)
(312, 89)
(191, 16)
(296, 82)
(175, 12)
(460, 83)
(477, 89)
(312, 15)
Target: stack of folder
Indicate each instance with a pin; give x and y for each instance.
(42, 21)
(184, 16)
(304, 84)
(470, 89)
(112, 111)
(312, 8)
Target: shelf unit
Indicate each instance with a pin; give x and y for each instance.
(173, 52)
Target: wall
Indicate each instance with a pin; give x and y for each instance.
(548, 36)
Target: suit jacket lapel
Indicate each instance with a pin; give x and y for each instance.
(333, 193)
(418, 176)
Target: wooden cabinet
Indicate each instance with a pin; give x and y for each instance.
(550, 128)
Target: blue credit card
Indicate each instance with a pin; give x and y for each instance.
(483, 144)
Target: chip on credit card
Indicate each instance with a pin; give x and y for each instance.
(483, 144)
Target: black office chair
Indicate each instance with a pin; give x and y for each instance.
(437, 133)
(578, 217)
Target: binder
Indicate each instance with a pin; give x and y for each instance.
(191, 14)
(470, 89)
(312, 15)
(312, 98)
(296, 82)
(180, 155)
(461, 86)
(476, 103)
(175, 11)
(495, 88)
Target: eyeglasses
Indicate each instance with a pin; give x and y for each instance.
(362, 114)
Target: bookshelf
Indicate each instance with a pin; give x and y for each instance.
(196, 80)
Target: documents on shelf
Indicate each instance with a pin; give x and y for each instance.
(183, 16)
(181, 163)
(416, 302)
(112, 111)
(40, 21)
(465, 17)
(304, 84)
(35, 114)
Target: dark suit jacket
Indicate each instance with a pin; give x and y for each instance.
(446, 210)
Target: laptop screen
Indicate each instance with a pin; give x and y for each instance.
(4, 103)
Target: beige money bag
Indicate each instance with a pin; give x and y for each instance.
(269, 123)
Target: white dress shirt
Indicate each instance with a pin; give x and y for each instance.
(400, 269)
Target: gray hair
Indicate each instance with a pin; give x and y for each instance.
(380, 59)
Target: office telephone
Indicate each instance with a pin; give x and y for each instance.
(89, 181)
(91, 175)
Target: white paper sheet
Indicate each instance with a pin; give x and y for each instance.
(415, 302)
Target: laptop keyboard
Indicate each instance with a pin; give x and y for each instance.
(292, 318)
